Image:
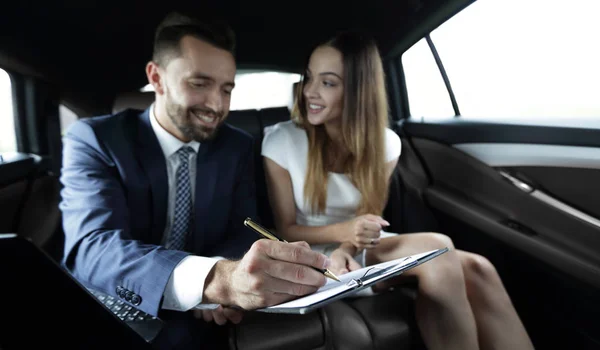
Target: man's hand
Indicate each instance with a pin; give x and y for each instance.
(220, 315)
(342, 262)
(270, 273)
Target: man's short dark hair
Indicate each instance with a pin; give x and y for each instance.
(176, 25)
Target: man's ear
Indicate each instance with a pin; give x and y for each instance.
(154, 75)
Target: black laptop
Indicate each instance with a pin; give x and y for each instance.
(41, 304)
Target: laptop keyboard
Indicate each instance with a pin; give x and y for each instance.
(123, 310)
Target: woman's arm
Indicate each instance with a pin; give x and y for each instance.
(281, 197)
(362, 231)
(390, 167)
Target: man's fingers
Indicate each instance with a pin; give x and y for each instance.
(282, 286)
(207, 315)
(219, 316)
(235, 316)
(293, 253)
(198, 314)
(270, 298)
(302, 244)
(297, 274)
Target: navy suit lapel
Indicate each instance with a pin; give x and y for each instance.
(153, 162)
(206, 179)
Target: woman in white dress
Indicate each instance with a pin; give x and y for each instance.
(328, 172)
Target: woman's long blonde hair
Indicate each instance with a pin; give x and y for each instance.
(364, 120)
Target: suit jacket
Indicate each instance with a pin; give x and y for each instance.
(114, 204)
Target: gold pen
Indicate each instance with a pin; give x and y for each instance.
(265, 233)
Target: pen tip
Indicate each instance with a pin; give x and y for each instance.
(331, 275)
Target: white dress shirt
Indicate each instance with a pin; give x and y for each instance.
(186, 284)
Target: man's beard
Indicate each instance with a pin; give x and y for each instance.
(181, 117)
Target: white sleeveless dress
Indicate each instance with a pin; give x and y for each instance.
(287, 145)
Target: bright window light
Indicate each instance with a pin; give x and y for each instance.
(256, 90)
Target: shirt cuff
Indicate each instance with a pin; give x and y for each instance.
(186, 284)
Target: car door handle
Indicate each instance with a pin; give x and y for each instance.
(525, 187)
(549, 200)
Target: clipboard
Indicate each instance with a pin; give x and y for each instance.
(351, 283)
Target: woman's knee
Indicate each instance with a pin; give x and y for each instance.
(478, 269)
(445, 270)
(483, 284)
(438, 240)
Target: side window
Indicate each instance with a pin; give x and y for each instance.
(67, 117)
(8, 137)
(259, 89)
(521, 59)
(256, 90)
(427, 93)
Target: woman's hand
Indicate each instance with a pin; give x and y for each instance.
(364, 231)
(342, 261)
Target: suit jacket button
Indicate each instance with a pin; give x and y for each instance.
(128, 296)
(121, 294)
(136, 300)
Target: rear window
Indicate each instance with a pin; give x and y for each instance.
(259, 89)
(256, 90)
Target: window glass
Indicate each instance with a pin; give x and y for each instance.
(8, 137)
(427, 93)
(263, 90)
(259, 89)
(511, 59)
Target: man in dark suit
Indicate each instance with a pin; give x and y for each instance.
(154, 202)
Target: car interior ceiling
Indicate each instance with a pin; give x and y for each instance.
(96, 50)
(90, 56)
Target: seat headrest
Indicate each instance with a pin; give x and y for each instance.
(274, 115)
(247, 120)
(134, 99)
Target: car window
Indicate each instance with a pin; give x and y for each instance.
(259, 89)
(256, 90)
(513, 59)
(8, 138)
(428, 96)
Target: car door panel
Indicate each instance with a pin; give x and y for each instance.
(557, 170)
(11, 195)
(531, 212)
(29, 197)
(467, 183)
(565, 184)
(15, 170)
